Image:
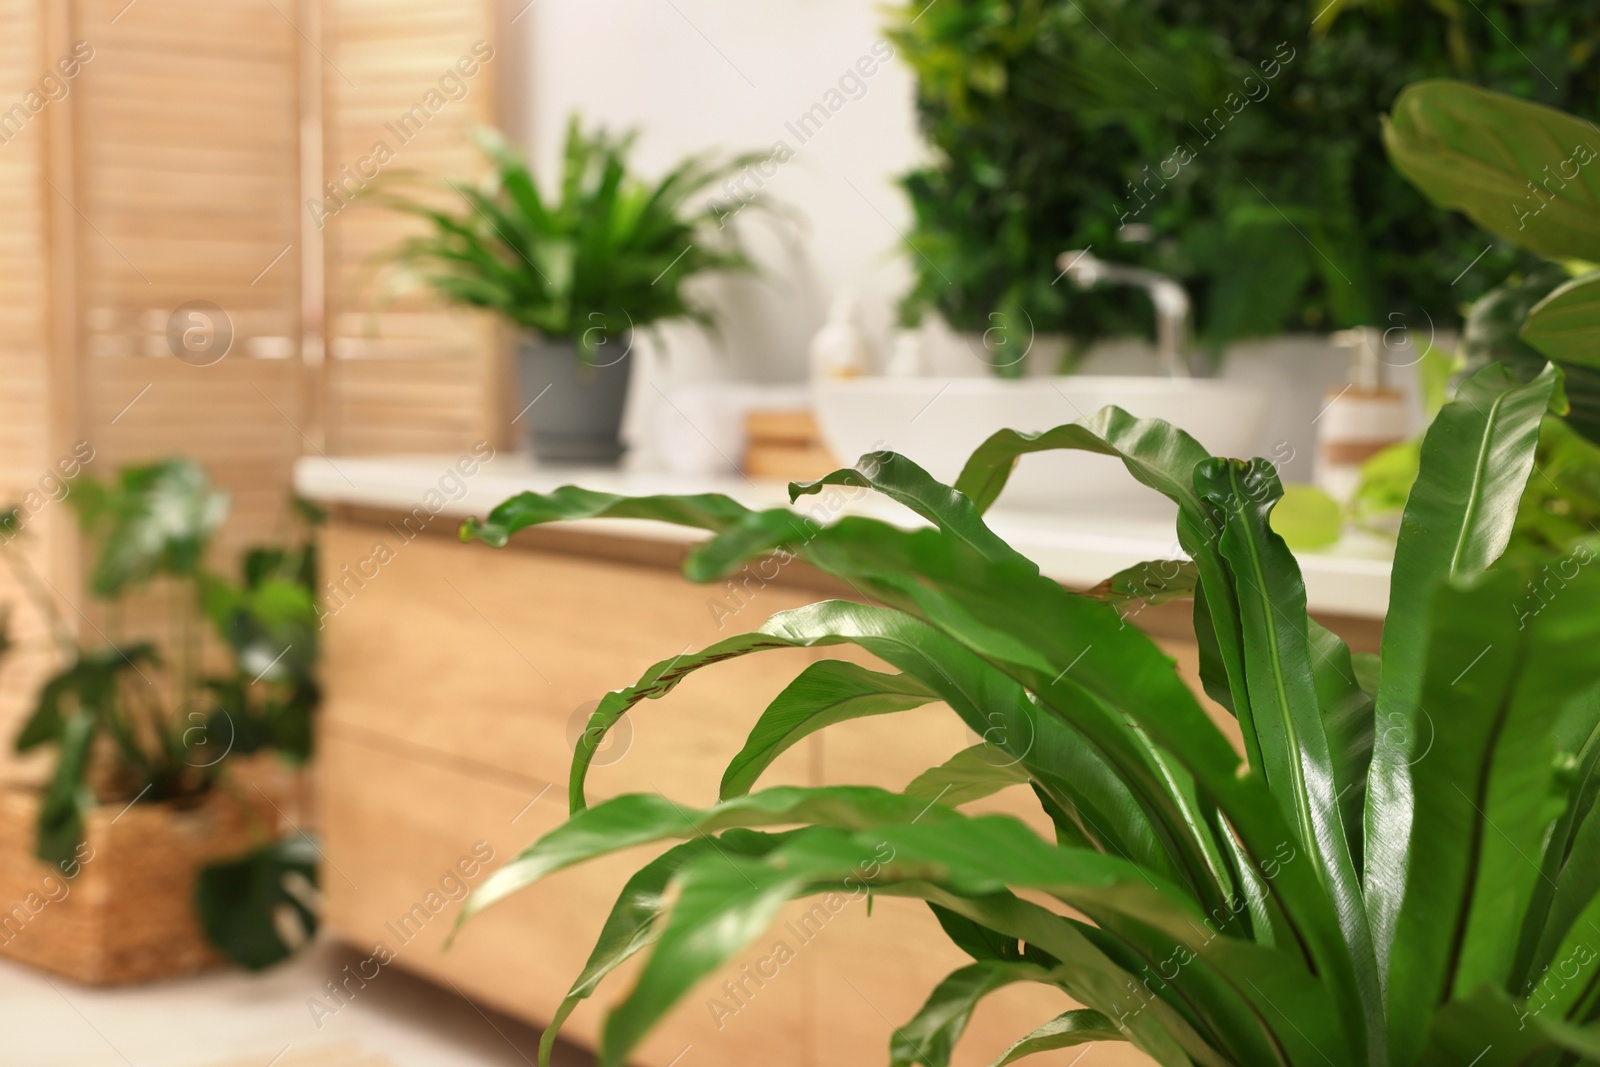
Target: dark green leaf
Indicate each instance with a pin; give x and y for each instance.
(641, 818)
(725, 903)
(1486, 790)
(903, 481)
(1476, 459)
(1156, 581)
(827, 692)
(67, 799)
(258, 909)
(1286, 715)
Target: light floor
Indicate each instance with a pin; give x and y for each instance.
(231, 1018)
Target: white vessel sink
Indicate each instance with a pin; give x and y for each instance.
(938, 422)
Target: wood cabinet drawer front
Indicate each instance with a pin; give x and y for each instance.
(397, 829)
(498, 655)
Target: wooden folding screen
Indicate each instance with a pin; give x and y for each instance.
(27, 433)
(405, 82)
(177, 275)
(187, 126)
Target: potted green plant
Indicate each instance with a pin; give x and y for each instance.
(575, 270)
(1396, 867)
(167, 853)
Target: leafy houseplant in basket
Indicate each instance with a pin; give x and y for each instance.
(577, 269)
(1397, 867)
(164, 847)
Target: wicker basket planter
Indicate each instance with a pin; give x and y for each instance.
(126, 914)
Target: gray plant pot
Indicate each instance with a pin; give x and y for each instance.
(576, 412)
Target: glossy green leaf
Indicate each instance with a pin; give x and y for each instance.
(1164, 458)
(825, 693)
(1572, 863)
(1215, 661)
(710, 511)
(975, 939)
(1349, 716)
(777, 533)
(992, 705)
(1486, 789)
(1157, 454)
(1067, 1030)
(959, 518)
(631, 925)
(1094, 979)
(1038, 633)
(1568, 986)
(1565, 325)
(1520, 170)
(904, 482)
(971, 774)
(1287, 717)
(1224, 922)
(1476, 459)
(1157, 581)
(1218, 986)
(724, 904)
(642, 818)
(929, 1037)
(1152, 446)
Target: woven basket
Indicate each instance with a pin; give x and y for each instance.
(128, 914)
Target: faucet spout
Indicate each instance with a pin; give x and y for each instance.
(1171, 301)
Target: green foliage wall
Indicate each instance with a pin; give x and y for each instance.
(1245, 134)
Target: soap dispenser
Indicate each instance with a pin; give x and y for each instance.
(839, 350)
(1358, 420)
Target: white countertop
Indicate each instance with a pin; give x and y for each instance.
(1078, 548)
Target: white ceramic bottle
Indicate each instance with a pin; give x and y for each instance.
(839, 349)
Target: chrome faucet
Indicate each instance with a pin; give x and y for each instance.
(1167, 294)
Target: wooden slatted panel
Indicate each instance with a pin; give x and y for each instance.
(25, 431)
(405, 81)
(187, 179)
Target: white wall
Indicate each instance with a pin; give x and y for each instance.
(736, 75)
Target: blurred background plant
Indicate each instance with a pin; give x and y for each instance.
(1524, 173)
(146, 721)
(1055, 122)
(602, 253)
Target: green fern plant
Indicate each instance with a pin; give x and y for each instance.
(601, 253)
(1400, 868)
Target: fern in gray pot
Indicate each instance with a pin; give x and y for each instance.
(575, 269)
